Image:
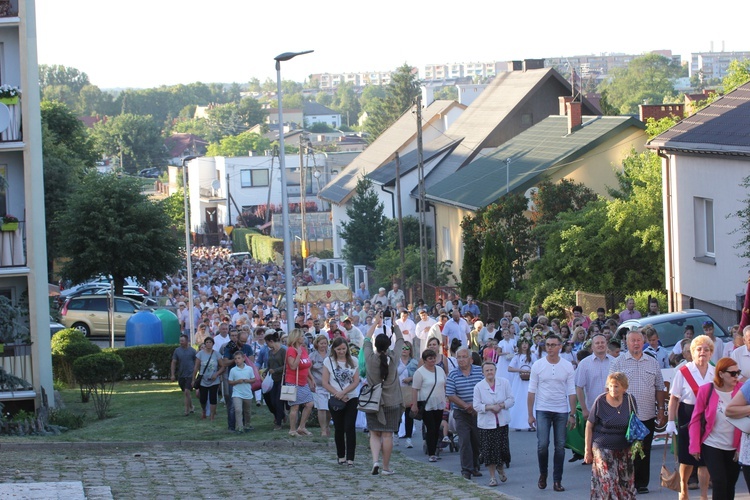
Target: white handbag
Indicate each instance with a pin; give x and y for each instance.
(289, 392)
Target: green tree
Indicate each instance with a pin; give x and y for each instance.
(92, 101)
(399, 97)
(410, 225)
(67, 152)
(114, 229)
(552, 199)
(58, 75)
(174, 207)
(449, 93)
(616, 244)
(495, 270)
(738, 74)
(363, 232)
(239, 145)
(137, 138)
(647, 79)
(744, 229)
(345, 102)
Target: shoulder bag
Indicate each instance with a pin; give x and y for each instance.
(200, 375)
(289, 392)
(335, 404)
(419, 415)
(636, 430)
(369, 398)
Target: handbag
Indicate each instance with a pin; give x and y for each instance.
(669, 479)
(200, 375)
(369, 398)
(419, 415)
(336, 404)
(636, 429)
(257, 383)
(525, 374)
(289, 392)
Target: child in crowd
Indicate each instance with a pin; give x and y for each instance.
(241, 378)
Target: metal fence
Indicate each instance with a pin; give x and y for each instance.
(487, 309)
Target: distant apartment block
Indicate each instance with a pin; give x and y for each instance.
(333, 80)
(462, 70)
(594, 66)
(714, 64)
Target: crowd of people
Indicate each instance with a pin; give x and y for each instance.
(468, 378)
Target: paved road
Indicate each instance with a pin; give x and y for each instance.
(524, 471)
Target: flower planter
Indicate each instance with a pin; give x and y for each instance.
(9, 101)
(9, 227)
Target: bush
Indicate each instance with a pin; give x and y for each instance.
(265, 248)
(641, 301)
(67, 346)
(145, 361)
(324, 254)
(66, 418)
(98, 373)
(239, 239)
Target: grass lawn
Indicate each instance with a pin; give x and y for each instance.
(148, 411)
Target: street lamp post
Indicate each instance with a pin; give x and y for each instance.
(188, 259)
(284, 195)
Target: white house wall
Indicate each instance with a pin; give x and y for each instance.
(719, 180)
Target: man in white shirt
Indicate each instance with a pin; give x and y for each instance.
(742, 355)
(552, 389)
(353, 333)
(240, 314)
(456, 328)
(406, 325)
(422, 330)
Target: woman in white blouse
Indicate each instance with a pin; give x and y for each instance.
(492, 398)
(428, 385)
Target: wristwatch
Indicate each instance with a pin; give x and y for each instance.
(571, 414)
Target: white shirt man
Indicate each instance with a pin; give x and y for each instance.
(240, 314)
(407, 326)
(422, 329)
(353, 333)
(456, 328)
(742, 355)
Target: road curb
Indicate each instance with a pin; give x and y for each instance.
(110, 445)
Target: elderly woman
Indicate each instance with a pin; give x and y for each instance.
(712, 437)
(298, 366)
(612, 472)
(492, 398)
(381, 363)
(683, 391)
(407, 365)
(320, 396)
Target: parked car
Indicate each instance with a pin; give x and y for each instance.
(54, 326)
(136, 292)
(671, 326)
(150, 173)
(90, 315)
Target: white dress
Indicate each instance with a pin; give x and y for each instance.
(507, 347)
(519, 415)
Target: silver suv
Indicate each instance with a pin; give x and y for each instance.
(671, 326)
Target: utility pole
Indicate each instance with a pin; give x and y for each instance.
(270, 183)
(303, 195)
(229, 207)
(400, 220)
(422, 221)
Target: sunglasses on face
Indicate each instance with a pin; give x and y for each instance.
(734, 373)
(406, 348)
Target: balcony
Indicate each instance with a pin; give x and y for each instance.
(12, 246)
(15, 360)
(10, 120)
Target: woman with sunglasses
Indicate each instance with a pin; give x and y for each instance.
(407, 365)
(712, 438)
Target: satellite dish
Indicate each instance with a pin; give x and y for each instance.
(4, 117)
(529, 194)
(215, 184)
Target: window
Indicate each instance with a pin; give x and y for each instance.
(446, 244)
(254, 178)
(703, 209)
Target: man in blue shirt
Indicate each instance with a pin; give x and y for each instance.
(459, 387)
(471, 307)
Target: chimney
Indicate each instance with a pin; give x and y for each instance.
(564, 100)
(574, 116)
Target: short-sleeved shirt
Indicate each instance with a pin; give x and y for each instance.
(424, 381)
(304, 366)
(644, 380)
(591, 376)
(610, 423)
(231, 348)
(185, 357)
(209, 365)
(243, 390)
(462, 385)
(680, 388)
(341, 375)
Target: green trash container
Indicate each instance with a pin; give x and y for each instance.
(170, 326)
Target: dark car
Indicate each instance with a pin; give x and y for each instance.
(671, 326)
(54, 326)
(150, 173)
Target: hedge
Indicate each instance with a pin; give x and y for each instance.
(265, 248)
(145, 362)
(240, 243)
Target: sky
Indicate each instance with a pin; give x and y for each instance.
(148, 43)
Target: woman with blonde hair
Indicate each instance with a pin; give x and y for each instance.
(298, 366)
(683, 392)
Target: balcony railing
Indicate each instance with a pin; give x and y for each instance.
(12, 246)
(12, 133)
(16, 360)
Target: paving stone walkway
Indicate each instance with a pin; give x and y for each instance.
(270, 469)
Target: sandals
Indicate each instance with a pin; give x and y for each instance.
(433, 458)
(293, 433)
(342, 461)
(350, 463)
(493, 482)
(502, 475)
(304, 432)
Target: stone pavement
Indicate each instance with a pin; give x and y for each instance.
(270, 469)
